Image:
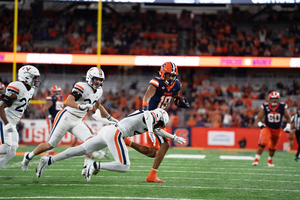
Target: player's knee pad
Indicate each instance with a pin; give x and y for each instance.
(124, 168)
(4, 149)
(12, 152)
(272, 150)
(261, 147)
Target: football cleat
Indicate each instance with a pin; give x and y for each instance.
(25, 161)
(83, 172)
(91, 169)
(270, 163)
(44, 162)
(255, 162)
(156, 180)
(297, 159)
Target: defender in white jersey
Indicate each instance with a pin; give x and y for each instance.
(12, 106)
(112, 136)
(84, 96)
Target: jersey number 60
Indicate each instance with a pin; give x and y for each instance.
(274, 117)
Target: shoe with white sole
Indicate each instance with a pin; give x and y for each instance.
(25, 161)
(270, 163)
(45, 161)
(91, 169)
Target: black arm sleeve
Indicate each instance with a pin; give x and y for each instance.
(6, 99)
(76, 95)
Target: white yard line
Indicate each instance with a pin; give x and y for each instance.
(154, 185)
(169, 171)
(184, 178)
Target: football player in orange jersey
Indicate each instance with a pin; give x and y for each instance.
(160, 93)
(2, 87)
(273, 112)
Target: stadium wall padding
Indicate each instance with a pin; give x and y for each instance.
(35, 132)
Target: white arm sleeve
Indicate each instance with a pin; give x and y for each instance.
(163, 133)
(149, 120)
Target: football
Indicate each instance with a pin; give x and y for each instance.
(178, 99)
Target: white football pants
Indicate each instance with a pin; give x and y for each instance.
(109, 136)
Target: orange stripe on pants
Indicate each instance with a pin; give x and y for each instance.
(118, 146)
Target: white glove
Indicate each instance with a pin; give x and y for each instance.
(97, 116)
(49, 116)
(287, 128)
(179, 140)
(85, 106)
(152, 137)
(261, 125)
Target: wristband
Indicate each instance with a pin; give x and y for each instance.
(145, 106)
(108, 117)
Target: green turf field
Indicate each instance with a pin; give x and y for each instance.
(186, 178)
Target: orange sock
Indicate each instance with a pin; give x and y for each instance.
(153, 173)
(152, 177)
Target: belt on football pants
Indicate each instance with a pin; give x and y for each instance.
(73, 114)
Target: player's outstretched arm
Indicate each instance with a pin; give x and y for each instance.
(104, 113)
(164, 133)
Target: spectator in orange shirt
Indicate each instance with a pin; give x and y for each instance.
(236, 88)
(289, 101)
(192, 121)
(248, 101)
(216, 119)
(254, 95)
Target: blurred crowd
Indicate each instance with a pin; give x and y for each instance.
(154, 34)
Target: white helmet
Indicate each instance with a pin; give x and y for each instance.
(94, 72)
(27, 73)
(162, 116)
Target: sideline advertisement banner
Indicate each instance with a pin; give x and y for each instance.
(225, 138)
(35, 132)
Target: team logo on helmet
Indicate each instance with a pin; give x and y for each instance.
(27, 73)
(168, 68)
(274, 95)
(56, 90)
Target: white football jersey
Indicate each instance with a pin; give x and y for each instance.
(133, 124)
(87, 97)
(19, 105)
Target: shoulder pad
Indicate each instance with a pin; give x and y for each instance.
(154, 82)
(79, 87)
